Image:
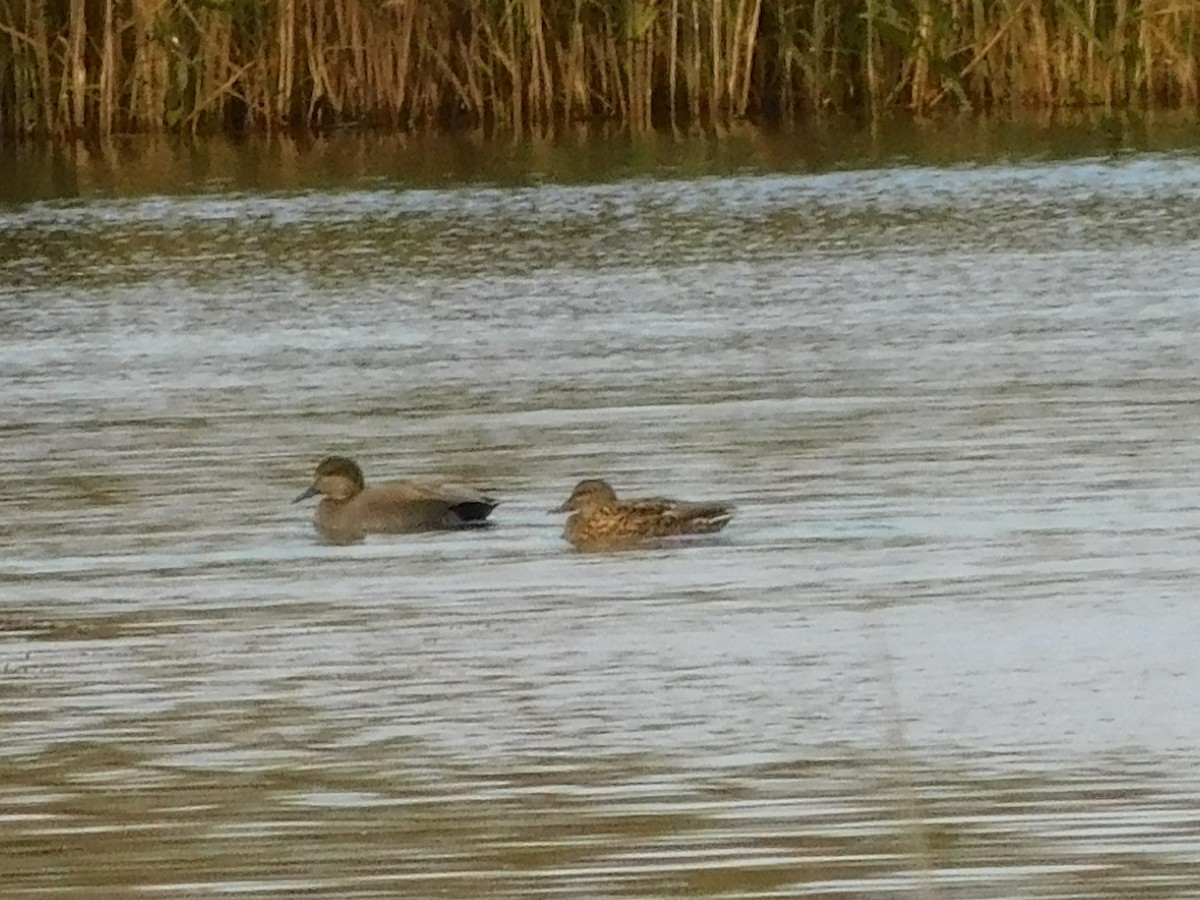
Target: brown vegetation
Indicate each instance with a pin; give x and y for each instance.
(99, 66)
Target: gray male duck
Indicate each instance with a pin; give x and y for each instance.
(349, 510)
(597, 520)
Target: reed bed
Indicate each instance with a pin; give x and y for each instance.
(102, 66)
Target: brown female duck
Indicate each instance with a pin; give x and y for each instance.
(598, 520)
(350, 510)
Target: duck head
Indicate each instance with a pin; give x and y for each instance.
(588, 493)
(337, 477)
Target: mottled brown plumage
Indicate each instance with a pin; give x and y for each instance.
(350, 510)
(598, 520)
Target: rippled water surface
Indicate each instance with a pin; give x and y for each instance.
(947, 647)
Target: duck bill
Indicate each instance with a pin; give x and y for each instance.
(566, 507)
(311, 492)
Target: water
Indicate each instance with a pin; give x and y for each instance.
(946, 648)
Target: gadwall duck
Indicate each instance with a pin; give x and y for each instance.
(350, 510)
(598, 520)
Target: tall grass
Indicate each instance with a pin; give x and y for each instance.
(99, 66)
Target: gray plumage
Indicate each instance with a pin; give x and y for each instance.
(349, 509)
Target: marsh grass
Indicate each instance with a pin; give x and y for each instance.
(104, 66)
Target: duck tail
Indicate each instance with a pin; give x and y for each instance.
(710, 517)
(474, 512)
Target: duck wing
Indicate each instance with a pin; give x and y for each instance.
(400, 506)
(660, 517)
(445, 492)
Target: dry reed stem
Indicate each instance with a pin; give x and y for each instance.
(107, 81)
